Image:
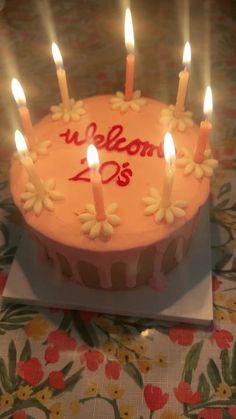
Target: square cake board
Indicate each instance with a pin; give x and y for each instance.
(187, 299)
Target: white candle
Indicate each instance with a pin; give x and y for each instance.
(96, 182)
(61, 76)
(130, 58)
(169, 152)
(205, 127)
(183, 82)
(28, 164)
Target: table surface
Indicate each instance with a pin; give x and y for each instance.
(65, 364)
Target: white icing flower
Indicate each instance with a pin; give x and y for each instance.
(95, 228)
(74, 113)
(119, 102)
(154, 206)
(33, 202)
(41, 149)
(169, 119)
(200, 170)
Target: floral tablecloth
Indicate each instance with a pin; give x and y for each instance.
(66, 364)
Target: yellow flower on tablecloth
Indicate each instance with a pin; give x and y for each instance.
(220, 315)
(24, 392)
(170, 414)
(92, 390)
(6, 401)
(218, 297)
(126, 411)
(232, 316)
(223, 391)
(114, 391)
(231, 303)
(140, 347)
(56, 411)
(109, 348)
(75, 407)
(144, 365)
(161, 360)
(104, 323)
(44, 395)
(127, 339)
(124, 355)
(37, 327)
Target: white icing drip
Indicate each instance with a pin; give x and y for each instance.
(158, 281)
(74, 112)
(95, 228)
(131, 272)
(32, 201)
(75, 273)
(104, 272)
(171, 122)
(206, 168)
(168, 213)
(118, 102)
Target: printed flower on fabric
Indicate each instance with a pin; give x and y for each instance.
(61, 340)
(125, 355)
(3, 280)
(75, 407)
(200, 170)
(144, 365)
(184, 394)
(112, 370)
(182, 334)
(30, 371)
(24, 392)
(216, 283)
(126, 411)
(33, 202)
(210, 413)
(6, 400)
(51, 354)
(44, 395)
(223, 338)
(95, 228)
(74, 112)
(92, 358)
(161, 360)
(220, 315)
(171, 122)
(170, 414)
(118, 102)
(231, 303)
(37, 327)
(56, 380)
(109, 348)
(87, 316)
(19, 414)
(223, 391)
(155, 207)
(232, 411)
(92, 390)
(56, 411)
(154, 397)
(114, 391)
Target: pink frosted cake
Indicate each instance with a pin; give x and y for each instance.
(139, 242)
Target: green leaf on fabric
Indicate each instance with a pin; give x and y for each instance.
(66, 322)
(70, 382)
(4, 379)
(204, 386)
(26, 352)
(12, 362)
(213, 374)
(134, 373)
(66, 369)
(191, 361)
(233, 363)
(86, 331)
(224, 189)
(225, 367)
(221, 204)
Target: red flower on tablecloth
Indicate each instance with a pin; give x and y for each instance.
(232, 412)
(92, 358)
(182, 334)
(154, 397)
(56, 380)
(30, 370)
(19, 414)
(112, 370)
(215, 283)
(51, 354)
(3, 280)
(210, 414)
(184, 394)
(223, 338)
(87, 316)
(61, 340)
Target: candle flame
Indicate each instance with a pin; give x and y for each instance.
(57, 55)
(129, 32)
(208, 102)
(187, 54)
(21, 145)
(92, 157)
(18, 92)
(169, 149)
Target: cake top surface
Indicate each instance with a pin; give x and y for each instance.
(131, 161)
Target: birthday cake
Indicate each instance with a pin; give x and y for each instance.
(140, 238)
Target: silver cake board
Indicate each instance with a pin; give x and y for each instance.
(187, 299)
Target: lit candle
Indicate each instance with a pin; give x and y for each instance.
(61, 76)
(96, 181)
(28, 163)
(169, 152)
(183, 82)
(130, 58)
(205, 127)
(20, 99)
